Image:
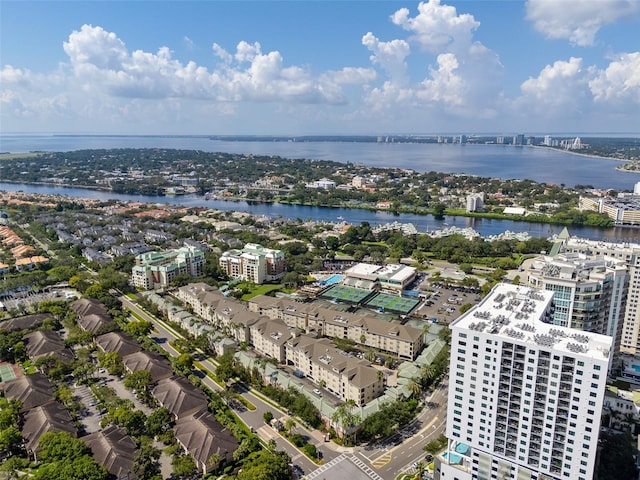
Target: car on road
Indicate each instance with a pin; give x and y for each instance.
(317, 392)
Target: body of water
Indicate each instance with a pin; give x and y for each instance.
(502, 161)
(424, 223)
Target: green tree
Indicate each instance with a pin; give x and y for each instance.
(112, 362)
(267, 416)
(266, 465)
(159, 421)
(438, 210)
(139, 380)
(9, 437)
(183, 466)
(81, 468)
(344, 416)
(184, 363)
(139, 328)
(145, 462)
(133, 421)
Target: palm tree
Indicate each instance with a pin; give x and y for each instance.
(344, 416)
(415, 387)
(290, 424)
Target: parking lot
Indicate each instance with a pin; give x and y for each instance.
(443, 304)
(25, 299)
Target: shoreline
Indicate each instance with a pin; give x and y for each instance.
(414, 211)
(588, 155)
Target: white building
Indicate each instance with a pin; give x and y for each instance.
(630, 253)
(475, 202)
(322, 184)
(157, 270)
(525, 396)
(392, 277)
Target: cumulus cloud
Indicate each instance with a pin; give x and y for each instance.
(99, 59)
(619, 83)
(391, 56)
(577, 20)
(466, 78)
(438, 27)
(568, 88)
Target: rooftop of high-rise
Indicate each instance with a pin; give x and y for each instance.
(520, 314)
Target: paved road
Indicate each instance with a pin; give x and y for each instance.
(164, 335)
(386, 463)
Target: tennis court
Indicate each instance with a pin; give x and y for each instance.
(343, 293)
(392, 303)
(6, 372)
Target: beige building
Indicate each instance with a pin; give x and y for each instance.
(254, 263)
(401, 340)
(349, 378)
(269, 337)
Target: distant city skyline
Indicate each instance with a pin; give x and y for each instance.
(320, 68)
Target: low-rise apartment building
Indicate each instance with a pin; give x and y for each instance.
(254, 263)
(401, 340)
(347, 377)
(159, 269)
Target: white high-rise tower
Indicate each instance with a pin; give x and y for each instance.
(525, 396)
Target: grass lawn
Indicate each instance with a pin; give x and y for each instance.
(255, 290)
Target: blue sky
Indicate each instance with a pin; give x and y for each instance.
(320, 67)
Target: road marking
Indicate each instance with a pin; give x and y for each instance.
(382, 460)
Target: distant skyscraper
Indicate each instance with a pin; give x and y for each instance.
(525, 396)
(518, 139)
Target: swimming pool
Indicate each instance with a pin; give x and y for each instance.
(462, 449)
(636, 367)
(333, 279)
(453, 457)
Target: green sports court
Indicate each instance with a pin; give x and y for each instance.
(392, 303)
(342, 293)
(6, 372)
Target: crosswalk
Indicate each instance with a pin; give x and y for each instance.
(319, 471)
(365, 468)
(344, 458)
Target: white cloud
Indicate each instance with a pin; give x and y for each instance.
(390, 56)
(94, 45)
(577, 20)
(100, 60)
(188, 42)
(559, 91)
(445, 85)
(438, 28)
(619, 83)
(467, 78)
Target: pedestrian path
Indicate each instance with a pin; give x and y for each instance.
(319, 471)
(364, 468)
